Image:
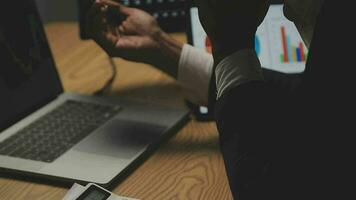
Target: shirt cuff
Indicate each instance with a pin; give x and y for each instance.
(240, 67)
(194, 74)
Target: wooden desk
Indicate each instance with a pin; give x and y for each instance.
(188, 166)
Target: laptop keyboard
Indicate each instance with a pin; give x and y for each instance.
(58, 131)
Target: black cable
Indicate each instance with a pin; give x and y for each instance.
(108, 85)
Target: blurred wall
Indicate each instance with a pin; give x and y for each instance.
(57, 10)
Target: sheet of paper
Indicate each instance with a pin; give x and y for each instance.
(76, 190)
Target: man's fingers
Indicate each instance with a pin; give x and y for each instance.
(127, 42)
(127, 28)
(130, 42)
(111, 37)
(121, 29)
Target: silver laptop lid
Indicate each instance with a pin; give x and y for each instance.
(28, 76)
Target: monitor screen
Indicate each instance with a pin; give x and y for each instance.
(28, 77)
(277, 43)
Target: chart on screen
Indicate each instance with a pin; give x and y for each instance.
(282, 48)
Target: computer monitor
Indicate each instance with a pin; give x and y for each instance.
(278, 43)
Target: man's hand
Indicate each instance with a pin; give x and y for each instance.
(133, 36)
(231, 24)
(137, 38)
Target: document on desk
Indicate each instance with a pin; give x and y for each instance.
(91, 192)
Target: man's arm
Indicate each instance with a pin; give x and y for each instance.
(139, 38)
(252, 115)
(248, 137)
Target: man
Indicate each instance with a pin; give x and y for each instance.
(271, 150)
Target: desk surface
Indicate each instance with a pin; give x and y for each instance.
(188, 166)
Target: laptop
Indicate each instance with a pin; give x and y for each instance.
(66, 137)
(278, 45)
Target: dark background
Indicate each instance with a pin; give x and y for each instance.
(57, 10)
(66, 10)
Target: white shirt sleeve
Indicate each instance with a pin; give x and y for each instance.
(194, 74)
(240, 67)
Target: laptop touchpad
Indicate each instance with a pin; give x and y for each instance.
(121, 139)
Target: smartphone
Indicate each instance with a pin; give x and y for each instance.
(83, 8)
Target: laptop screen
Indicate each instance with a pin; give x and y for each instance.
(277, 43)
(28, 77)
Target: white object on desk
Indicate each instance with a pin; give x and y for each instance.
(91, 192)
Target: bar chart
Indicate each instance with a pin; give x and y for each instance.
(291, 53)
(285, 48)
(208, 45)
